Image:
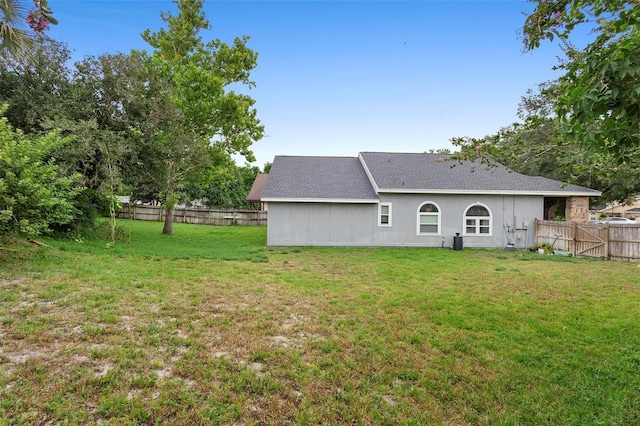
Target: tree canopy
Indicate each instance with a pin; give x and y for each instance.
(598, 97)
(583, 128)
(533, 146)
(203, 121)
(140, 124)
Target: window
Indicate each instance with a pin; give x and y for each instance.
(384, 214)
(429, 219)
(477, 220)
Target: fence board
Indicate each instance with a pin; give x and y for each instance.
(619, 242)
(195, 216)
(624, 242)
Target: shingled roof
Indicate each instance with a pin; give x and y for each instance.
(255, 194)
(421, 173)
(338, 179)
(350, 179)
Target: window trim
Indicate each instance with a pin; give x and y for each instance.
(477, 218)
(439, 216)
(389, 214)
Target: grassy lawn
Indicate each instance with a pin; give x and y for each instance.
(210, 327)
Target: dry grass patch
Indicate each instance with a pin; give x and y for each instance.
(310, 336)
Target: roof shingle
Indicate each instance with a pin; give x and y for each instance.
(422, 172)
(345, 178)
(318, 178)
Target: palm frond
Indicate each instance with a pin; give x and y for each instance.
(13, 37)
(12, 12)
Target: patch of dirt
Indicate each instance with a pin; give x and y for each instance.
(163, 373)
(126, 323)
(20, 357)
(294, 320)
(102, 370)
(13, 283)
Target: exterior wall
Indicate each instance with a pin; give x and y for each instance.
(503, 209)
(334, 224)
(328, 224)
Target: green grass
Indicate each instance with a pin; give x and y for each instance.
(210, 327)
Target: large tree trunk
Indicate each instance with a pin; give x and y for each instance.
(168, 221)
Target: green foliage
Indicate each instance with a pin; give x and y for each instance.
(105, 231)
(164, 124)
(534, 146)
(224, 190)
(583, 128)
(202, 120)
(34, 196)
(97, 103)
(38, 86)
(13, 36)
(598, 101)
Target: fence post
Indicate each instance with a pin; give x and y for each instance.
(574, 235)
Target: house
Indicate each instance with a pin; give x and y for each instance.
(255, 193)
(630, 211)
(409, 199)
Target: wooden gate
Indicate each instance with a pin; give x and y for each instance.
(608, 241)
(590, 240)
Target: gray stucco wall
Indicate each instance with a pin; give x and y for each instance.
(335, 224)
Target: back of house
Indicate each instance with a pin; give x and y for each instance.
(410, 199)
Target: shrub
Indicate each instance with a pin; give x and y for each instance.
(34, 196)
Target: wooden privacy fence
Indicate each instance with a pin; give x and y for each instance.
(195, 215)
(609, 241)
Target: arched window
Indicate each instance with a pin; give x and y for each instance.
(429, 219)
(477, 220)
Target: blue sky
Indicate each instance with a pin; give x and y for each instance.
(340, 77)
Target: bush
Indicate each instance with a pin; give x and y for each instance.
(34, 196)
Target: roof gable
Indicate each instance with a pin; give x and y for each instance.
(255, 194)
(329, 179)
(422, 172)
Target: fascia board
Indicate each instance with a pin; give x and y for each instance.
(321, 200)
(490, 192)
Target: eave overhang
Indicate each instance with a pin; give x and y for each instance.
(321, 200)
(490, 192)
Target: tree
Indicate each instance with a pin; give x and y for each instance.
(13, 36)
(598, 102)
(203, 122)
(37, 85)
(34, 195)
(99, 103)
(225, 190)
(533, 147)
